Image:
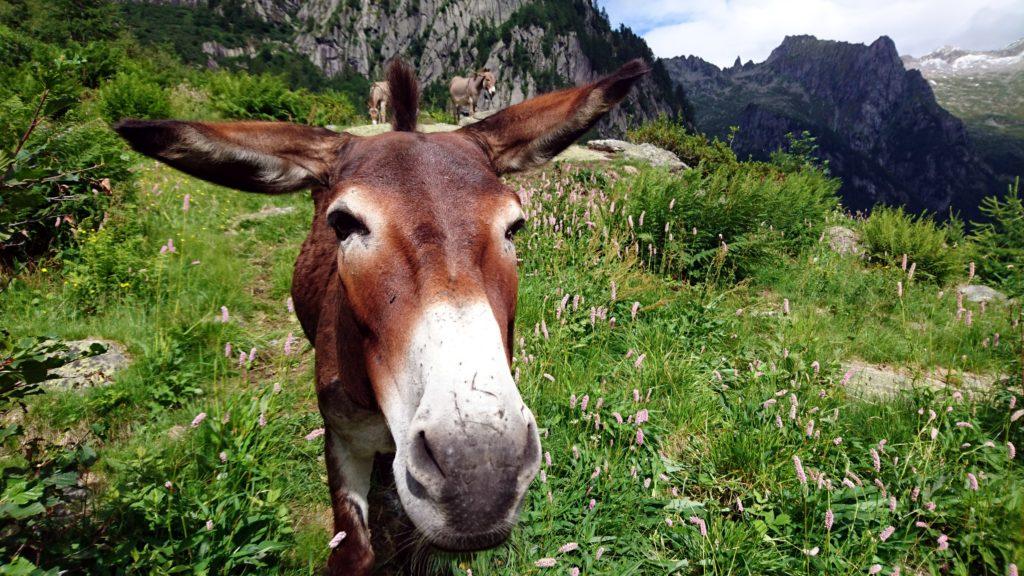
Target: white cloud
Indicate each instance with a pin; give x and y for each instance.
(721, 30)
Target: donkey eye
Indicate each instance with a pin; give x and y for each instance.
(345, 224)
(514, 228)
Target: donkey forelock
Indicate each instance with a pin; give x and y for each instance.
(405, 96)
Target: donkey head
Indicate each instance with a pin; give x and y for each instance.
(489, 80)
(416, 231)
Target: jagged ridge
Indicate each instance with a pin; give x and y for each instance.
(877, 123)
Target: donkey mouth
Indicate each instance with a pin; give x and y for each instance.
(470, 542)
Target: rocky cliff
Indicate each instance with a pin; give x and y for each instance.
(534, 45)
(877, 124)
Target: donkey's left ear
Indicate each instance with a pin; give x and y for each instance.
(268, 157)
(533, 132)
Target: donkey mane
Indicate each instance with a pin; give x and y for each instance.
(405, 96)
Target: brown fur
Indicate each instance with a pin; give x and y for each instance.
(438, 194)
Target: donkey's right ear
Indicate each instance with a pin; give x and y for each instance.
(267, 157)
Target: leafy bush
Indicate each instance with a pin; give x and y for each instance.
(998, 242)
(130, 95)
(268, 97)
(56, 181)
(111, 262)
(740, 215)
(694, 149)
(889, 233)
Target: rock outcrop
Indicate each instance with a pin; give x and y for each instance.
(533, 45)
(876, 123)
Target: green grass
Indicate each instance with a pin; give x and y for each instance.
(715, 352)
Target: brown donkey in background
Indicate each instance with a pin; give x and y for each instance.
(406, 286)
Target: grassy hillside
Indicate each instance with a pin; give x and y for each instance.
(727, 351)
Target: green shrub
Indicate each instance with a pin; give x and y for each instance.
(740, 216)
(693, 149)
(131, 95)
(889, 233)
(998, 243)
(255, 97)
(56, 182)
(111, 263)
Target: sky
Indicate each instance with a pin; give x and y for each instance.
(721, 30)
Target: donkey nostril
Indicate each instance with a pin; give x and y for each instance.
(426, 455)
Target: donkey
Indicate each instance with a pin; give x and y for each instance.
(380, 93)
(466, 91)
(406, 286)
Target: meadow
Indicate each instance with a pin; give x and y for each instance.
(691, 344)
(695, 414)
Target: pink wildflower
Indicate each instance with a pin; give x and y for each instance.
(785, 306)
(168, 485)
(583, 402)
(314, 434)
(739, 505)
(549, 377)
(209, 525)
(964, 425)
(568, 547)
(800, 475)
(899, 289)
(640, 436)
(886, 533)
(198, 419)
(336, 540)
(639, 361)
(223, 456)
(812, 552)
(970, 271)
(876, 461)
(921, 524)
(816, 367)
(915, 493)
(290, 305)
(633, 310)
(669, 522)
(1011, 450)
(262, 420)
(972, 481)
(837, 440)
(600, 552)
(875, 569)
(810, 428)
(592, 504)
(829, 519)
(700, 524)
(545, 563)
(224, 314)
(227, 350)
(614, 291)
(636, 395)
(547, 458)
(943, 542)
(1016, 415)
(1011, 570)
(929, 506)
(574, 572)
(641, 416)
(186, 203)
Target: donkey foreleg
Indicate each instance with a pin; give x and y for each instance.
(348, 476)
